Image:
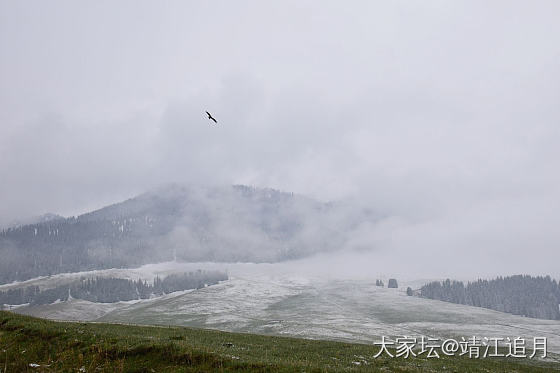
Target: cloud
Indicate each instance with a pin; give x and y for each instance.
(443, 115)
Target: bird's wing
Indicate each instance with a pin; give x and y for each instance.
(209, 115)
(215, 121)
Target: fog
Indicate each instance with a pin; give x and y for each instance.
(443, 116)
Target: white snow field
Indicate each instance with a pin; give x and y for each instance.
(272, 299)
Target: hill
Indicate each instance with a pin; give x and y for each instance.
(34, 220)
(176, 222)
(41, 345)
(525, 295)
(278, 299)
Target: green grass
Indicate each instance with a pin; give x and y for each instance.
(99, 347)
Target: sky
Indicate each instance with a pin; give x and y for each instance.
(444, 114)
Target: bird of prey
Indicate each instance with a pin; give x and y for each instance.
(211, 117)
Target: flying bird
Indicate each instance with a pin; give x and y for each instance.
(211, 117)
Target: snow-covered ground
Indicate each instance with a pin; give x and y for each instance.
(281, 300)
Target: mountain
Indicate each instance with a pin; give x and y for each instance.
(35, 220)
(177, 222)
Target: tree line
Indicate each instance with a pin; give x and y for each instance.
(172, 223)
(537, 297)
(78, 244)
(109, 290)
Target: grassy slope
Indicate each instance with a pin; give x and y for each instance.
(109, 347)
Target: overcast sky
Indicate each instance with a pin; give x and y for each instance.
(444, 113)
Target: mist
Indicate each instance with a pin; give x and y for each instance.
(443, 117)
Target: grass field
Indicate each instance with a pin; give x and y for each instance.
(280, 300)
(31, 344)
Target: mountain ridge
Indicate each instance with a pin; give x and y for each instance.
(177, 222)
(43, 218)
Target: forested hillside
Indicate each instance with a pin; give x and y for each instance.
(109, 290)
(537, 297)
(227, 224)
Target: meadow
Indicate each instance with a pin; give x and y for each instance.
(29, 344)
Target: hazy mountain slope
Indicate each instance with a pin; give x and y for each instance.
(235, 223)
(48, 217)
